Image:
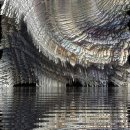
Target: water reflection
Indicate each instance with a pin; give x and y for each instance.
(60, 108)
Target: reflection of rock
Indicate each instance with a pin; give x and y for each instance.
(99, 114)
(51, 107)
(23, 107)
(94, 111)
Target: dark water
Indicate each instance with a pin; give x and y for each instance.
(59, 108)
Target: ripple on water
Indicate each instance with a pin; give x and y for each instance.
(94, 108)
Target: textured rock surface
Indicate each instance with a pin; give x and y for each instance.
(85, 32)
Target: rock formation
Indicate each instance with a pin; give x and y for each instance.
(86, 40)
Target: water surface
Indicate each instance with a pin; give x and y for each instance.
(56, 107)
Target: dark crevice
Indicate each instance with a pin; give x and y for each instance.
(1, 53)
(111, 84)
(25, 85)
(128, 13)
(128, 112)
(128, 25)
(128, 59)
(75, 83)
(111, 88)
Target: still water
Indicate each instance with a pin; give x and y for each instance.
(56, 107)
